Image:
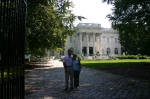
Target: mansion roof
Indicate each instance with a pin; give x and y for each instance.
(89, 25)
(94, 28)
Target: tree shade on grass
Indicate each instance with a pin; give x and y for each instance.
(123, 62)
(133, 68)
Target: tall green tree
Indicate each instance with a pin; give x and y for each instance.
(132, 19)
(49, 22)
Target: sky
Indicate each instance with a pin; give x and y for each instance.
(94, 10)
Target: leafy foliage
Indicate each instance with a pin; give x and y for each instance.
(49, 22)
(131, 57)
(132, 19)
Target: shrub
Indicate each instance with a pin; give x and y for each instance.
(132, 57)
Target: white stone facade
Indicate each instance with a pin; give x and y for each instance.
(93, 40)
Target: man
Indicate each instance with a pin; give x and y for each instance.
(67, 62)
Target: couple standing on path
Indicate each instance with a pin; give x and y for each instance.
(72, 69)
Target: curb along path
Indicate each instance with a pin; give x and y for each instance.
(48, 83)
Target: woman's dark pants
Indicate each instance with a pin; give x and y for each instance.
(76, 78)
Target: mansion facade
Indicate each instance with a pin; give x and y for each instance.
(93, 40)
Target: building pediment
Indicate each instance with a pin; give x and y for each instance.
(93, 28)
(89, 25)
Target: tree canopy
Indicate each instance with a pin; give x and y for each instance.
(132, 19)
(49, 22)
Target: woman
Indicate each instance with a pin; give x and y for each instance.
(76, 68)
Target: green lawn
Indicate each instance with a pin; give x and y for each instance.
(133, 68)
(112, 63)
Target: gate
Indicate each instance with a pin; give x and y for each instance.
(12, 36)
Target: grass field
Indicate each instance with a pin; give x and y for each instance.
(133, 68)
(122, 62)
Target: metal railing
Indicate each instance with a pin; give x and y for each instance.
(12, 36)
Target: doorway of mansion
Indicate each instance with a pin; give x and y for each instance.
(90, 51)
(84, 51)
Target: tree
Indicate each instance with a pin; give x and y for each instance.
(132, 19)
(49, 22)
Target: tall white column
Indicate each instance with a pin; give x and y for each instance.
(87, 42)
(100, 45)
(80, 43)
(94, 43)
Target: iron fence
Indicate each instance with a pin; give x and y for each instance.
(12, 36)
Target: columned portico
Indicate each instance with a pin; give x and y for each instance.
(80, 43)
(93, 43)
(100, 51)
(95, 40)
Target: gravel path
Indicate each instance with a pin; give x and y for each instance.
(48, 83)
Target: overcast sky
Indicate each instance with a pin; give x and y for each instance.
(94, 10)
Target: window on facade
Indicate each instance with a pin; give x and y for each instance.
(102, 51)
(108, 51)
(84, 51)
(116, 50)
(90, 51)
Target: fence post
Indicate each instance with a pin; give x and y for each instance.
(12, 38)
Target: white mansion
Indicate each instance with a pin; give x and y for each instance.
(93, 40)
